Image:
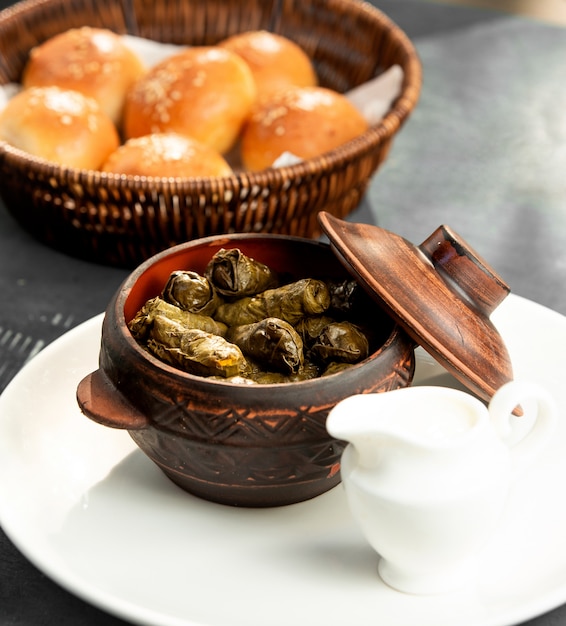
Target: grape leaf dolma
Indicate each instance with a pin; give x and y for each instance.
(235, 274)
(307, 372)
(334, 367)
(141, 324)
(272, 342)
(346, 296)
(341, 341)
(195, 351)
(309, 328)
(191, 292)
(291, 303)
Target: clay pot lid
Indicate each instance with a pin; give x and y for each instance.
(441, 292)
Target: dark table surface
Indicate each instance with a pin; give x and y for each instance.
(485, 152)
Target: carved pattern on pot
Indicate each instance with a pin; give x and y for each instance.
(239, 464)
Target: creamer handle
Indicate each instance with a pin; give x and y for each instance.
(505, 400)
(99, 400)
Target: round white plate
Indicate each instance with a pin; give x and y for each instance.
(93, 513)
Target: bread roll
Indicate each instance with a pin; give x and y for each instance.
(58, 125)
(205, 92)
(305, 121)
(93, 61)
(166, 154)
(276, 62)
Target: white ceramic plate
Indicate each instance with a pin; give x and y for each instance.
(86, 507)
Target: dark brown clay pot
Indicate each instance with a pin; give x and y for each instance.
(245, 445)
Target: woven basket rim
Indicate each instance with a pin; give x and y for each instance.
(312, 167)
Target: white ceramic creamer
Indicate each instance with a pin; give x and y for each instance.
(427, 472)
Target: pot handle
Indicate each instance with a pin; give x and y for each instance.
(99, 400)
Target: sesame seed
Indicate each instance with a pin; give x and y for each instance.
(92, 123)
(199, 79)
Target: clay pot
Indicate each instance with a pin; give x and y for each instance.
(246, 445)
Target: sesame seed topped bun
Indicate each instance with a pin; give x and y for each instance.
(303, 121)
(59, 125)
(93, 61)
(205, 92)
(275, 61)
(166, 154)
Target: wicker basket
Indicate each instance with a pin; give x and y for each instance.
(123, 220)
